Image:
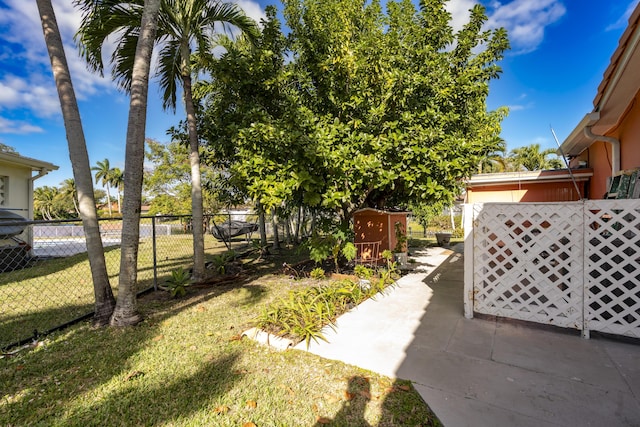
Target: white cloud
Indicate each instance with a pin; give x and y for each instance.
(31, 94)
(516, 107)
(459, 10)
(252, 9)
(18, 127)
(525, 21)
(28, 83)
(31, 85)
(624, 19)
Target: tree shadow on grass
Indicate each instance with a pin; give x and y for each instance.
(403, 406)
(141, 403)
(93, 362)
(357, 395)
(17, 326)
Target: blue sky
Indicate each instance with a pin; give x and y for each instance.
(560, 49)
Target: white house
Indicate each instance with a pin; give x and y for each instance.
(17, 175)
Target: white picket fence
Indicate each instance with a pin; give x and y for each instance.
(573, 265)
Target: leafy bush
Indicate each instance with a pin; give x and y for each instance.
(349, 251)
(363, 272)
(401, 237)
(302, 315)
(317, 273)
(333, 244)
(220, 261)
(177, 283)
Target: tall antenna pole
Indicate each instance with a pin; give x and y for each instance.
(575, 184)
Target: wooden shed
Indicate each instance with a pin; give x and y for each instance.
(375, 231)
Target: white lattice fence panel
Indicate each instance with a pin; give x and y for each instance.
(528, 262)
(612, 239)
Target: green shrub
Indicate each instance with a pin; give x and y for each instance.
(317, 273)
(349, 251)
(220, 261)
(177, 283)
(363, 272)
(303, 313)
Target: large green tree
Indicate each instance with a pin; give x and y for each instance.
(400, 98)
(374, 109)
(167, 181)
(184, 27)
(250, 120)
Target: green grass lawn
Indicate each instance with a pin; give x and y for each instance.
(51, 292)
(186, 366)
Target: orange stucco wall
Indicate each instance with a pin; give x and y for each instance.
(598, 155)
(629, 136)
(373, 226)
(525, 192)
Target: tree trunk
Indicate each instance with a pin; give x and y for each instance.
(75, 202)
(276, 237)
(196, 186)
(287, 230)
(262, 226)
(109, 201)
(453, 221)
(126, 311)
(300, 216)
(104, 301)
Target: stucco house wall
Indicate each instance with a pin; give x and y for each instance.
(17, 177)
(15, 188)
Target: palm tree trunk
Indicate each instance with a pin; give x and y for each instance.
(109, 201)
(104, 301)
(126, 311)
(196, 186)
(75, 204)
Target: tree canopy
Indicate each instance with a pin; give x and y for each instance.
(357, 107)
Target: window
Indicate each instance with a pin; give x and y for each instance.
(4, 182)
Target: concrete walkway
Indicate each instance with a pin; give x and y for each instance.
(478, 372)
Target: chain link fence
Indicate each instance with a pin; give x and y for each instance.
(45, 278)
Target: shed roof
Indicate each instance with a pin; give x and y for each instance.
(502, 178)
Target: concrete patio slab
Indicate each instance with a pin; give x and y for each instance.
(485, 372)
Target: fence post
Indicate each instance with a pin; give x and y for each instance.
(585, 261)
(155, 258)
(468, 260)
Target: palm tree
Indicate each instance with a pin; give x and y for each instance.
(104, 300)
(103, 174)
(117, 182)
(68, 190)
(184, 27)
(530, 158)
(138, 41)
(44, 201)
